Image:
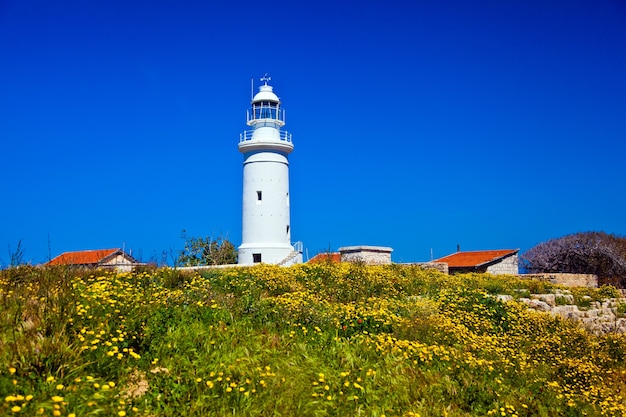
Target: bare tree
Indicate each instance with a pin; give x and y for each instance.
(583, 253)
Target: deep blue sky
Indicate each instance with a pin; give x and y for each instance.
(418, 125)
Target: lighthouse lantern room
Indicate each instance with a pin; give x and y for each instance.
(266, 232)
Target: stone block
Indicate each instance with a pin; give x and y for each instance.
(549, 299)
(539, 305)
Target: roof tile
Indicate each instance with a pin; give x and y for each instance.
(334, 257)
(475, 258)
(85, 257)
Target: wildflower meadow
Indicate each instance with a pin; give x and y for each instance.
(309, 340)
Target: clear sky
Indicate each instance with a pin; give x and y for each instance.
(419, 125)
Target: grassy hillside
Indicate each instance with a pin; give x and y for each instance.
(310, 340)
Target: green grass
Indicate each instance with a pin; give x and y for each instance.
(309, 340)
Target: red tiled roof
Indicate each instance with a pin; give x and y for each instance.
(85, 257)
(475, 258)
(334, 257)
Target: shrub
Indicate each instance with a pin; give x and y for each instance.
(609, 291)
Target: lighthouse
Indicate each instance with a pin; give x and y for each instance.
(266, 228)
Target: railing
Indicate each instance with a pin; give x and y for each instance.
(297, 251)
(247, 135)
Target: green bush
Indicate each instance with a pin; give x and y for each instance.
(609, 291)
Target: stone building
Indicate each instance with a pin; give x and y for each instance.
(502, 261)
(370, 255)
(115, 259)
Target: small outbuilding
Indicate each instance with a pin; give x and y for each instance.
(500, 261)
(370, 255)
(115, 259)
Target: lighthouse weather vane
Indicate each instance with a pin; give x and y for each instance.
(266, 78)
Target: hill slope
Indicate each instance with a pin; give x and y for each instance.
(309, 340)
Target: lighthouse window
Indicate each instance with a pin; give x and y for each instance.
(259, 195)
(265, 110)
(256, 258)
(287, 229)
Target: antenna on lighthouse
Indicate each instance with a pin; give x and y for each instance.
(251, 88)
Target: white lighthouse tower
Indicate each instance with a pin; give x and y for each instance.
(266, 229)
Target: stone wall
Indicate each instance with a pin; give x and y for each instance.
(370, 255)
(439, 266)
(599, 317)
(568, 280)
(119, 263)
(507, 266)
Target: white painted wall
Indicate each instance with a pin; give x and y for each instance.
(265, 221)
(266, 227)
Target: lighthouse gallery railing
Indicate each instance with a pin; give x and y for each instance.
(247, 135)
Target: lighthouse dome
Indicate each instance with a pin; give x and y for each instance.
(265, 93)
